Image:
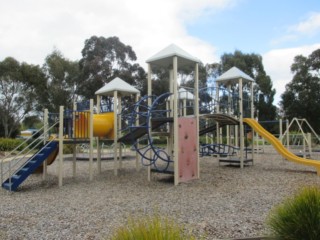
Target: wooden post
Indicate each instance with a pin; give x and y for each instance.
(60, 164)
(236, 133)
(115, 143)
(184, 107)
(91, 141)
(288, 134)
(119, 127)
(45, 139)
(241, 123)
(229, 113)
(309, 141)
(98, 154)
(74, 157)
(149, 104)
(137, 124)
(217, 111)
(175, 121)
(97, 138)
(252, 116)
(170, 143)
(196, 110)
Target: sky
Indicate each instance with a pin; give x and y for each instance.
(278, 30)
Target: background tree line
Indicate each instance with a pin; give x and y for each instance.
(26, 89)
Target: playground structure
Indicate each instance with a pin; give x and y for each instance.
(73, 127)
(219, 114)
(300, 133)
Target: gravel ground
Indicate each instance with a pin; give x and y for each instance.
(227, 202)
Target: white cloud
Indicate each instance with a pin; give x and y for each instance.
(277, 64)
(31, 29)
(308, 27)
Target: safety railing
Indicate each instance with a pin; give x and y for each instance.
(12, 162)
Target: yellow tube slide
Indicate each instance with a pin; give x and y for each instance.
(102, 125)
(279, 147)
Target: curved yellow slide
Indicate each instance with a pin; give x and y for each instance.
(103, 124)
(279, 147)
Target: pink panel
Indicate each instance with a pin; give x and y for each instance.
(188, 153)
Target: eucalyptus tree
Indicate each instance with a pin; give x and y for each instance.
(60, 83)
(301, 98)
(17, 93)
(103, 59)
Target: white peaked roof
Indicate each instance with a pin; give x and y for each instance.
(184, 94)
(119, 85)
(164, 57)
(234, 73)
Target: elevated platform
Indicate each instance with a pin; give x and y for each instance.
(84, 140)
(141, 130)
(222, 119)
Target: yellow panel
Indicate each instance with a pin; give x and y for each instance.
(102, 125)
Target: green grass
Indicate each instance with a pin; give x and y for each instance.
(297, 217)
(151, 228)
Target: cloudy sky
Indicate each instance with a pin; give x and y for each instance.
(278, 30)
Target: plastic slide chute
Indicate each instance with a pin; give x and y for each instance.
(282, 150)
(102, 125)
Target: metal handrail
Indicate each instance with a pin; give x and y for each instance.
(21, 144)
(22, 156)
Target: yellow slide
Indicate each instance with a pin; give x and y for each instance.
(279, 147)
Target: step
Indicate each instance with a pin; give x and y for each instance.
(7, 186)
(39, 155)
(30, 163)
(25, 169)
(15, 177)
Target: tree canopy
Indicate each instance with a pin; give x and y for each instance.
(16, 93)
(301, 98)
(104, 59)
(60, 82)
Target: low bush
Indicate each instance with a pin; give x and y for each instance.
(9, 144)
(297, 217)
(147, 228)
(68, 148)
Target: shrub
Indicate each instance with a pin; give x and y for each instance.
(297, 217)
(147, 228)
(8, 144)
(67, 148)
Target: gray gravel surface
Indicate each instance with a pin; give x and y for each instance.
(227, 202)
